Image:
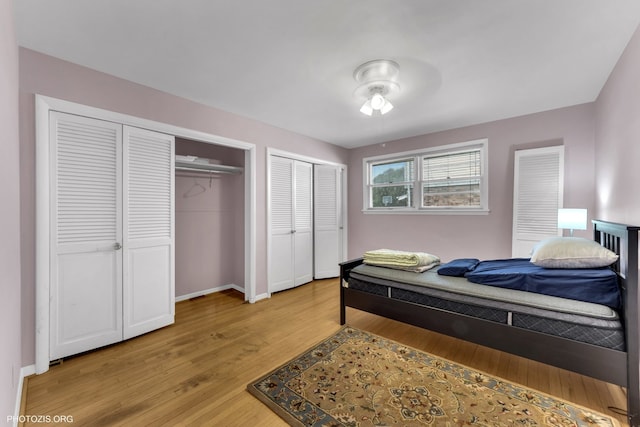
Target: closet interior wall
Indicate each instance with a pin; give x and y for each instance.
(209, 222)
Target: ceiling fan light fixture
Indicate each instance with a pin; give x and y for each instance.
(377, 102)
(377, 81)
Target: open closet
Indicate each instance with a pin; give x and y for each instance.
(209, 207)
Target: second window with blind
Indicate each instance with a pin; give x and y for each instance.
(445, 179)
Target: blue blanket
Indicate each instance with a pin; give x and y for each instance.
(458, 267)
(596, 285)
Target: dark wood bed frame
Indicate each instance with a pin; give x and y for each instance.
(613, 366)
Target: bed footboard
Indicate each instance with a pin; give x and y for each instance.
(623, 240)
(345, 269)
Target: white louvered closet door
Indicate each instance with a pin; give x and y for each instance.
(537, 196)
(303, 231)
(86, 231)
(281, 240)
(148, 269)
(291, 223)
(328, 227)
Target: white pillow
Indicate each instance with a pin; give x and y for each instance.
(571, 252)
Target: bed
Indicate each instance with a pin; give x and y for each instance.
(597, 340)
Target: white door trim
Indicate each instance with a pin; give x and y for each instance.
(302, 158)
(45, 104)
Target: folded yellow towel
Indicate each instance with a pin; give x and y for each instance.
(395, 258)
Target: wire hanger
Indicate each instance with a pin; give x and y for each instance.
(195, 189)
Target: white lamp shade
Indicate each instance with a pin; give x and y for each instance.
(377, 101)
(386, 107)
(574, 219)
(366, 108)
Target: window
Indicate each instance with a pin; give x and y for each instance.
(392, 183)
(451, 179)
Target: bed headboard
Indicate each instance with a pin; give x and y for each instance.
(623, 240)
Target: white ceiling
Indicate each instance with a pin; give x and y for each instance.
(290, 63)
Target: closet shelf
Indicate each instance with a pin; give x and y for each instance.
(202, 166)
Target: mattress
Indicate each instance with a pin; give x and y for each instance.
(596, 285)
(578, 320)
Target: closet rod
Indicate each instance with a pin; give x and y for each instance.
(197, 175)
(209, 169)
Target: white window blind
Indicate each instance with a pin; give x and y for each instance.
(538, 192)
(452, 179)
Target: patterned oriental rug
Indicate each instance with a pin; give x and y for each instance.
(355, 378)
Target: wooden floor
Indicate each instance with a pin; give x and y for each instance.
(195, 371)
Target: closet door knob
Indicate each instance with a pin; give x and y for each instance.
(117, 246)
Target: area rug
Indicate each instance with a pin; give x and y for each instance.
(355, 378)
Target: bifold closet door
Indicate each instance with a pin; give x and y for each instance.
(328, 226)
(303, 231)
(282, 207)
(148, 264)
(86, 232)
(112, 233)
(291, 239)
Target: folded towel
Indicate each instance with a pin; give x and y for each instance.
(420, 269)
(458, 267)
(395, 258)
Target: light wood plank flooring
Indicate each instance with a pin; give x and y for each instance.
(195, 371)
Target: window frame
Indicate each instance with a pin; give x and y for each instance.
(417, 183)
(372, 186)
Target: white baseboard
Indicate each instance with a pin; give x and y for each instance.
(261, 297)
(209, 291)
(25, 371)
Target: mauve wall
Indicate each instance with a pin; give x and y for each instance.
(45, 75)
(618, 140)
(209, 222)
(479, 236)
(10, 347)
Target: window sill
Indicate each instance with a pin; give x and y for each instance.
(444, 211)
